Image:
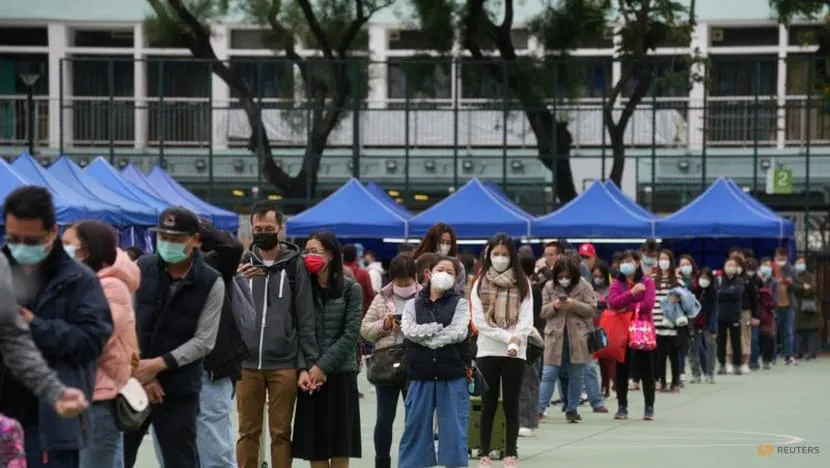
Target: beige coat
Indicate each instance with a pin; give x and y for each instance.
(372, 326)
(578, 318)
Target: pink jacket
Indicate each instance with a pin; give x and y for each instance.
(620, 298)
(120, 281)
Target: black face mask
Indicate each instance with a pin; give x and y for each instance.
(266, 240)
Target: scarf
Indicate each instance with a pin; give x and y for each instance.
(500, 298)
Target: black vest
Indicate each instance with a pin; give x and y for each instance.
(447, 363)
(167, 318)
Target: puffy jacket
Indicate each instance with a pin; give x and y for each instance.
(620, 297)
(687, 307)
(804, 288)
(119, 281)
(708, 298)
(730, 294)
(337, 327)
(372, 326)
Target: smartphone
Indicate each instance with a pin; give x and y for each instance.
(563, 298)
(397, 318)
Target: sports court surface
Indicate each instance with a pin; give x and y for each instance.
(741, 421)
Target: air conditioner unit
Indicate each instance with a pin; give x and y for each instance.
(394, 35)
(716, 35)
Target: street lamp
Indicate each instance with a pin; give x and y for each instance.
(29, 79)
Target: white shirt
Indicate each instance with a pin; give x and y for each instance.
(493, 341)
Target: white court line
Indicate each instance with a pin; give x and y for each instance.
(769, 438)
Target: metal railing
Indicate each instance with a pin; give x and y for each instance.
(14, 120)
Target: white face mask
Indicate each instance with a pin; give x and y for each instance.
(500, 262)
(730, 270)
(664, 264)
(444, 249)
(704, 283)
(739, 270)
(781, 263)
(564, 282)
(441, 281)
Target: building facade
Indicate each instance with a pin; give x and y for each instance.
(106, 88)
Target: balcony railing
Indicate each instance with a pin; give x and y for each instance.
(14, 120)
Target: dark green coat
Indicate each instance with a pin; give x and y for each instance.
(337, 326)
(806, 320)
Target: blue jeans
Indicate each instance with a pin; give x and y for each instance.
(103, 447)
(592, 389)
(449, 398)
(784, 329)
(755, 349)
(550, 375)
(214, 428)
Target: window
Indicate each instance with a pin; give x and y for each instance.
(267, 77)
(805, 35)
(804, 71)
(584, 77)
(743, 75)
(11, 65)
(183, 116)
(804, 77)
(419, 77)
(102, 38)
(409, 39)
(97, 119)
(14, 111)
(744, 36)
(478, 80)
(254, 39)
(178, 78)
(22, 36)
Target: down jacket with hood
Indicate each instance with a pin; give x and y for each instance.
(372, 326)
(119, 281)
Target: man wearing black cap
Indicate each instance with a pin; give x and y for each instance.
(178, 308)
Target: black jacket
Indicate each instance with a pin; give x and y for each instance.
(730, 298)
(222, 252)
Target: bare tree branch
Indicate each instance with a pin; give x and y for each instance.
(316, 29)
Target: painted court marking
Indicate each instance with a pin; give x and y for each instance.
(753, 439)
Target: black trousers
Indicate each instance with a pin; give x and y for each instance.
(505, 373)
(641, 362)
(174, 422)
(733, 329)
(767, 344)
(667, 349)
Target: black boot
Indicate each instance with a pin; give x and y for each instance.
(383, 462)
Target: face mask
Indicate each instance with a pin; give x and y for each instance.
(704, 282)
(730, 270)
(28, 254)
(500, 262)
(172, 252)
(266, 240)
(70, 250)
(564, 282)
(598, 281)
(800, 267)
(781, 263)
(751, 274)
(649, 261)
(441, 281)
(664, 264)
(766, 270)
(627, 269)
(686, 270)
(404, 291)
(739, 270)
(444, 249)
(314, 263)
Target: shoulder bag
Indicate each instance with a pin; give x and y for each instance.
(387, 366)
(132, 406)
(641, 333)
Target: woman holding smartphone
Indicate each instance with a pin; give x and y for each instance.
(382, 325)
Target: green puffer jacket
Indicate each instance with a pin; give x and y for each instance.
(806, 320)
(337, 326)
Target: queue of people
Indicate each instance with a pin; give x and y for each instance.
(285, 330)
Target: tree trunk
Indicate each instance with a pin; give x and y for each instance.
(616, 134)
(561, 169)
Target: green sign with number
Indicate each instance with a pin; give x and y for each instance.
(782, 181)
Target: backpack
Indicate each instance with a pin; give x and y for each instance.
(12, 447)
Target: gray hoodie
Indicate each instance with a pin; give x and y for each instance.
(20, 355)
(284, 308)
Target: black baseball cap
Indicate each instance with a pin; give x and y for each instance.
(177, 220)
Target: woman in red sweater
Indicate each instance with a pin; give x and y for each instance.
(632, 291)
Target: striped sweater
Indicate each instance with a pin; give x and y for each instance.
(662, 286)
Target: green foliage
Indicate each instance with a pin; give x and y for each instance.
(789, 10)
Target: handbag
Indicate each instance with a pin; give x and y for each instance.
(615, 325)
(132, 406)
(809, 306)
(476, 385)
(641, 333)
(597, 339)
(387, 366)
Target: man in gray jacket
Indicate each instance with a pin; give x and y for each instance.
(280, 331)
(23, 359)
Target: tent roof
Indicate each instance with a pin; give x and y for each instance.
(11, 180)
(595, 213)
(496, 190)
(103, 172)
(351, 211)
(378, 192)
(222, 219)
(85, 207)
(724, 210)
(132, 212)
(474, 213)
(625, 200)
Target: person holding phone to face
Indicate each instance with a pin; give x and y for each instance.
(382, 325)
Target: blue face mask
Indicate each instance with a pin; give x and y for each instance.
(70, 250)
(765, 271)
(800, 267)
(649, 261)
(28, 254)
(686, 270)
(172, 252)
(627, 269)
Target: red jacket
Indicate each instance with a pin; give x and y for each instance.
(365, 282)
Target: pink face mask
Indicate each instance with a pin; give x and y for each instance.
(404, 292)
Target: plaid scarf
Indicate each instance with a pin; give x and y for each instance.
(500, 298)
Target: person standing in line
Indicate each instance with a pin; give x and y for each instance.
(440, 239)
(602, 282)
(730, 294)
(808, 311)
(529, 395)
(327, 420)
(95, 244)
(375, 270)
(361, 276)
(502, 307)
(382, 325)
(782, 273)
(178, 310)
(279, 338)
(68, 315)
(703, 352)
(668, 333)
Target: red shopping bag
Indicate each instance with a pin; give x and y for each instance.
(616, 326)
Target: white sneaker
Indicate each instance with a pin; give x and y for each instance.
(745, 369)
(730, 369)
(682, 378)
(526, 432)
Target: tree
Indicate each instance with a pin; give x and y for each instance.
(562, 26)
(335, 28)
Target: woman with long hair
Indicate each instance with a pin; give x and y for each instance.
(703, 355)
(502, 308)
(668, 334)
(382, 326)
(327, 419)
(95, 244)
(436, 325)
(440, 239)
(632, 291)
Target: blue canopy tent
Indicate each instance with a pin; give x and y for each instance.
(625, 200)
(474, 213)
(378, 192)
(352, 212)
(222, 219)
(10, 180)
(595, 213)
(499, 193)
(105, 174)
(85, 207)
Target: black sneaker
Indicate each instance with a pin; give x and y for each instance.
(722, 370)
(573, 417)
(648, 415)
